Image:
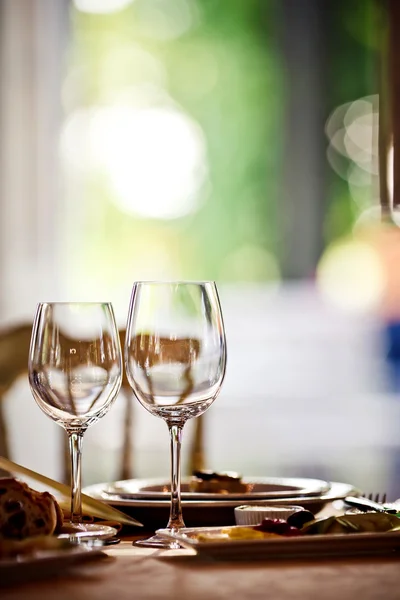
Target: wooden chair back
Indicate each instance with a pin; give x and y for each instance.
(14, 350)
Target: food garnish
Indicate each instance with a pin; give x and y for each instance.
(234, 533)
(212, 482)
(357, 523)
(277, 526)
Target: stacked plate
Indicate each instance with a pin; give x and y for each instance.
(148, 500)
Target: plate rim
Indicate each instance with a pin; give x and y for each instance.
(303, 486)
(337, 491)
(45, 557)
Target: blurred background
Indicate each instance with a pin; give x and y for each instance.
(210, 139)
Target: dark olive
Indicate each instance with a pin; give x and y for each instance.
(300, 518)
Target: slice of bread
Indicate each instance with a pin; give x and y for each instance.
(24, 512)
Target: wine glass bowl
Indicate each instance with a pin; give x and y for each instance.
(175, 352)
(169, 377)
(75, 371)
(175, 357)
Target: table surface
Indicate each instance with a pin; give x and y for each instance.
(130, 572)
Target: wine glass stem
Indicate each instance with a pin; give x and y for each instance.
(175, 517)
(75, 447)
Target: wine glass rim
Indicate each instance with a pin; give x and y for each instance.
(174, 282)
(74, 303)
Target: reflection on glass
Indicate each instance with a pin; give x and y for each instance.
(175, 355)
(75, 371)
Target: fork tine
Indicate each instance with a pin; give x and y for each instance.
(376, 498)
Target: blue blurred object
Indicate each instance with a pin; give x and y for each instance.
(392, 338)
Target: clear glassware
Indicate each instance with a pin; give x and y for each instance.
(75, 373)
(175, 358)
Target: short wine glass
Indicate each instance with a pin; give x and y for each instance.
(175, 358)
(75, 372)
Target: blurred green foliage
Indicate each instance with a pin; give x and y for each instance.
(225, 72)
(357, 30)
(219, 61)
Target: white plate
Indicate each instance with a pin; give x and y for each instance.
(154, 513)
(44, 563)
(289, 547)
(336, 491)
(262, 488)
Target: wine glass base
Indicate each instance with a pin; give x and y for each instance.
(156, 541)
(84, 532)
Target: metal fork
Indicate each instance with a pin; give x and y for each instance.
(367, 503)
(376, 498)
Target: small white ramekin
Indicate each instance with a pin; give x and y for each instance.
(254, 515)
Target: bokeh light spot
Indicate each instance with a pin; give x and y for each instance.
(165, 20)
(101, 6)
(350, 275)
(154, 157)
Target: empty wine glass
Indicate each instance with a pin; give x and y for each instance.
(175, 357)
(75, 372)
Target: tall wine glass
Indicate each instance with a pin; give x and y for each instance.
(75, 372)
(175, 357)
